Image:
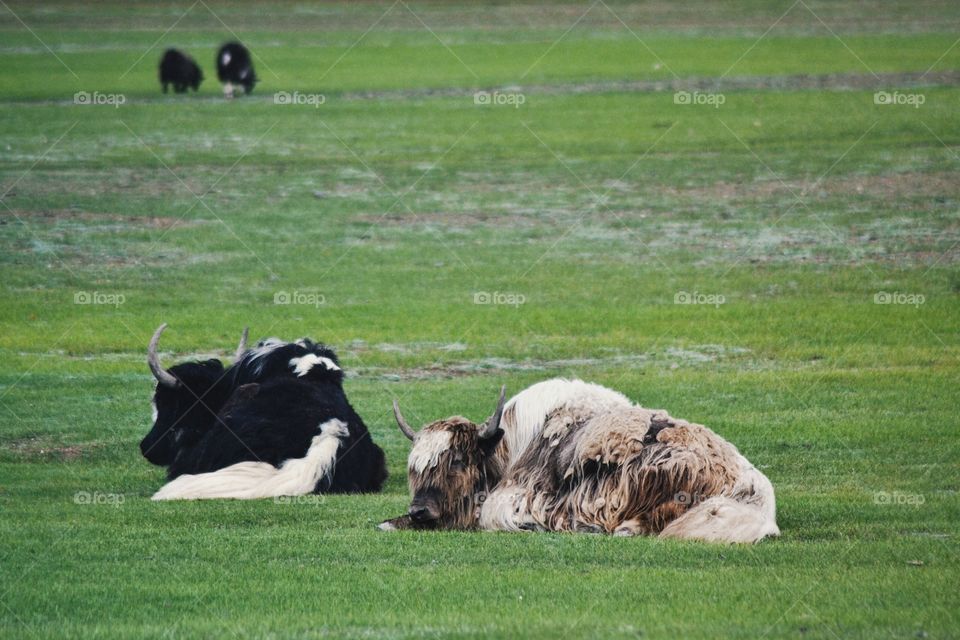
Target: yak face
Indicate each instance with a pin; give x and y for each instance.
(185, 412)
(450, 469)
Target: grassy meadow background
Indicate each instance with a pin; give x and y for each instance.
(777, 259)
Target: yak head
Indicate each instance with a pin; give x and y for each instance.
(450, 468)
(186, 401)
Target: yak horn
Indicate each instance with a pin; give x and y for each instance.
(242, 347)
(404, 427)
(490, 427)
(161, 374)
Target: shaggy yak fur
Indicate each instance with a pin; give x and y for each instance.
(180, 70)
(235, 68)
(275, 423)
(569, 456)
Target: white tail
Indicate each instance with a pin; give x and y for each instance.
(748, 515)
(252, 480)
(722, 519)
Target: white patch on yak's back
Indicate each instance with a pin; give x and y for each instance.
(156, 413)
(266, 346)
(251, 480)
(254, 357)
(225, 58)
(302, 366)
(722, 519)
(427, 450)
(525, 413)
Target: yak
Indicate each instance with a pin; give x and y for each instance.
(180, 70)
(275, 423)
(235, 68)
(565, 455)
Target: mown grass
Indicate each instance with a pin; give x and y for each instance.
(598, 204)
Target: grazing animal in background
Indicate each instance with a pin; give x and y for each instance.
(275, 423)
(180, 70)
(589, 461)
(235, 68)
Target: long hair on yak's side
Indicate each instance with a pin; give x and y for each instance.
(629, 471)
(532, 486)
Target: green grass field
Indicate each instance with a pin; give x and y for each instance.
(778, 261)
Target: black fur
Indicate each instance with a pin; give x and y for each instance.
(271, 358)
(180, 70)
(187, 413)
(234, 66)
(275, 421)
(259, 409)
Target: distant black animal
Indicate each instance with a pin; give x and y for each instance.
(180, 70)
(234, 67)
(275, 423)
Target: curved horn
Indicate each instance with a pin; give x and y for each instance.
(161, 374)
(242, 347)
(404, 427)
(493, 422)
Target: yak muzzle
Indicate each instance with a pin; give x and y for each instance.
(156, 451)
(423, 513)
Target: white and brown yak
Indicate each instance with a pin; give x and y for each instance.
(566, 455)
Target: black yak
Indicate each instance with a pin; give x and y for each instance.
(235, 68)
(275, 423)
(180, 70)
(570, 456)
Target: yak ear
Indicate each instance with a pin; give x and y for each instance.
(489, 445)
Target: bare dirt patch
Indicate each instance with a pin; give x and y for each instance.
(95, 218)
(670, 358)
(43, 449)
(448, 219)
(798, 82)
(884, 187)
